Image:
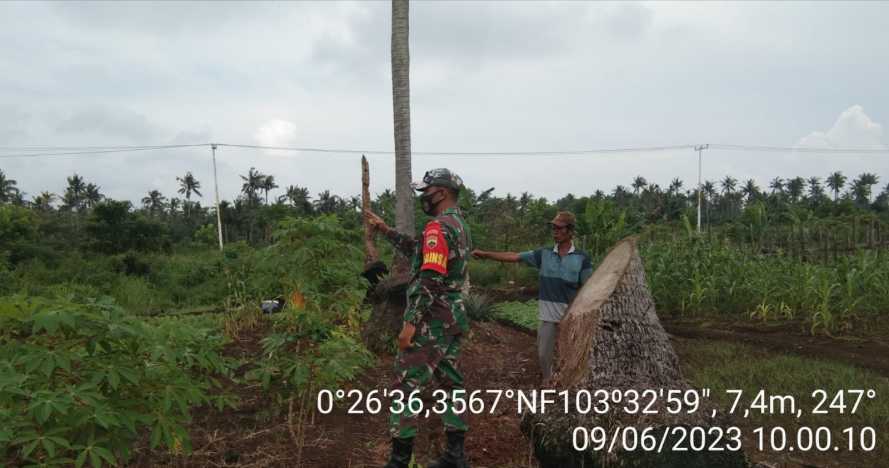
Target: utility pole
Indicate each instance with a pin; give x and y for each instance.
(216, 186)
(700, 149)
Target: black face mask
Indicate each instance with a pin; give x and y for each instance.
(428, 202)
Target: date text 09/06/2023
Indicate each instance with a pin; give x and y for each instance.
(650, 401)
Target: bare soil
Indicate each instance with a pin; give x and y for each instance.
(261, 433)
(258, 434)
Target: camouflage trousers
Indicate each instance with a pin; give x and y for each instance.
(429, 357)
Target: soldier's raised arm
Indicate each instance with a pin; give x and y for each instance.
(404, 243)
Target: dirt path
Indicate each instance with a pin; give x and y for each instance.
(254, 435)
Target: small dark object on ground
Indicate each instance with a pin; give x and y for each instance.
(375, 272)
(270, 306)
(231, 456)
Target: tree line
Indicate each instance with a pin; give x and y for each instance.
(82, 211)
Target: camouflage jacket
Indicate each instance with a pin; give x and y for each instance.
(438, 272)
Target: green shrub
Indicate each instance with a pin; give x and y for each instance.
(80, 379)
(207, 235)
(138, 296)
(485, 273)
(479, 307)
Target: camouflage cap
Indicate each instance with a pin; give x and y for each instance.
(440, 177)
(564, 218)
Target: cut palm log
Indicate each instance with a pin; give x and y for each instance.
(371, 255)
(388, 298)
(611, 339)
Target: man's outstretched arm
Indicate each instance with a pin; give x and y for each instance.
(509, 257)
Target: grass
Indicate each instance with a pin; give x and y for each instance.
(521, 314)
(720, 366)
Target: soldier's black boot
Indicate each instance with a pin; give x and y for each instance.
(402, 449)
(453, 456)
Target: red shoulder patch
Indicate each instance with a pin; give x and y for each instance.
(435, 249)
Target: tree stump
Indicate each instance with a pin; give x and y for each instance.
(389, 299)
(611, 339)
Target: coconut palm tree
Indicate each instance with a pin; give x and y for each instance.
(252, 183)
(43, 202)
(639, 183)
(728, 185)
(777, 185)
(620, 194)
(816, 191)
(91, 195)
(675, 186)
(861, 187)
(8, 189)
(154, 202)
(173, 205)
(795, 188)
(188, 185)
(709, 192)
(326, 203)
(268, 184)
(401, 107)
(74, 193)
(709, 189)
(299, 198)
(836, 181)
(750, 190)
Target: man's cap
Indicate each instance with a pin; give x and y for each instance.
(440, 177)
(564, 218)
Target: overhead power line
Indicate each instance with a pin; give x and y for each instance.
(52, 151)
(800, 149)
(464, 153)
(80, 151)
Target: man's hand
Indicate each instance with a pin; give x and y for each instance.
(376, 222)
(509, 257)
(406, 335)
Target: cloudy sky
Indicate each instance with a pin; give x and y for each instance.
(484, 77)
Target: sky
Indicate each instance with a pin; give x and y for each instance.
(485, 77)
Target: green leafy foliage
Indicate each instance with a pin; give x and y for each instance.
(314, 345)
(79, 380)
(697, 277)
(114, 228)
(521, 314)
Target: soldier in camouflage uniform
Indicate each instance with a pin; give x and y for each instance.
(435, 318)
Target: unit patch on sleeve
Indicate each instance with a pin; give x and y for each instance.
(435, 249)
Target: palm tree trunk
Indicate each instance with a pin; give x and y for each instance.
(401, 106)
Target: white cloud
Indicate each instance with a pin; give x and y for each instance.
(485, 77)
(852, 129)
(276, 132)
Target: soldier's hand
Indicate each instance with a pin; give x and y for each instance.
(406, 335)
(479, 254)
(375, 221)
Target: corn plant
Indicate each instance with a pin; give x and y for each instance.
(696, 276)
